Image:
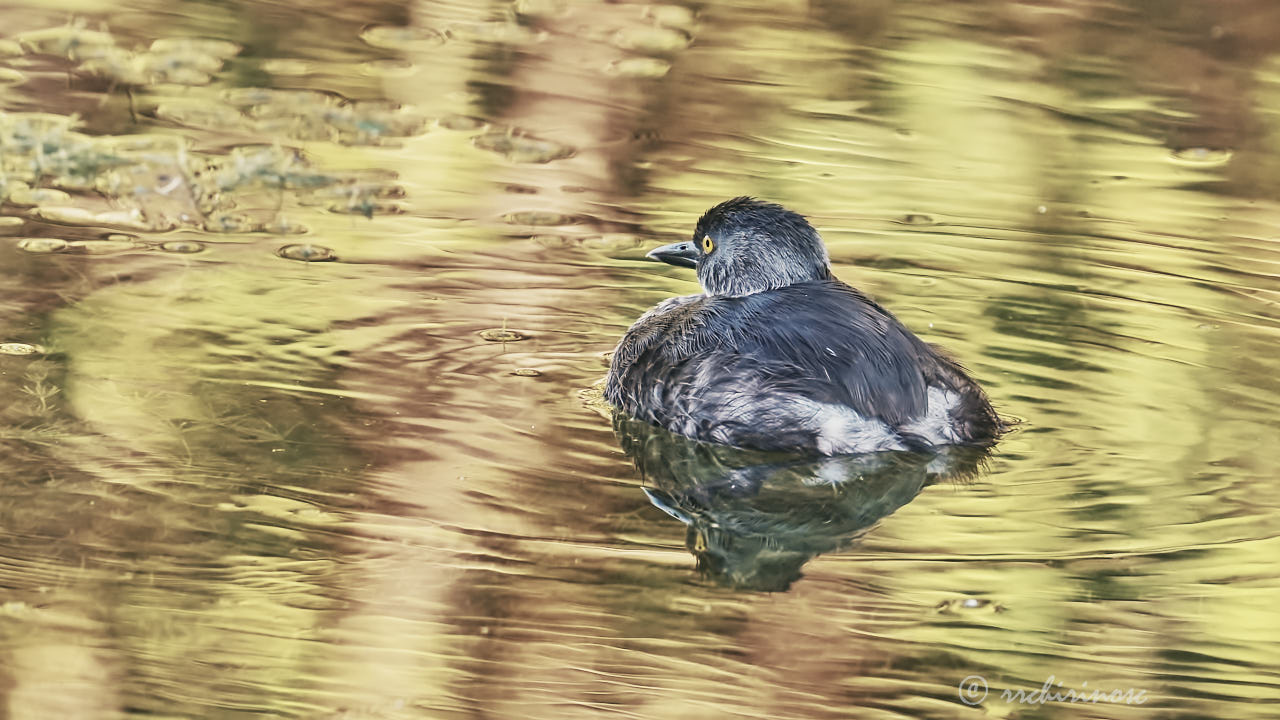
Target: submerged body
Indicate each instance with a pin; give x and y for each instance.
(779, 355)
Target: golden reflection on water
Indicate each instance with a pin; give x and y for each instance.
(238, 484)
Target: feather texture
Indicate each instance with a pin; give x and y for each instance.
(779, 355)
(813, 366)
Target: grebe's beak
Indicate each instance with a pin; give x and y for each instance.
(681, 254)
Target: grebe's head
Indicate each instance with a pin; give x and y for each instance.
(744, 246)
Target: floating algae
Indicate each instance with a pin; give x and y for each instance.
(522, 148)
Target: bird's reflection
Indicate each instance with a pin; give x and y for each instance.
(755, 518)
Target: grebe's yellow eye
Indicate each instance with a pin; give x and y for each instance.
(708, 244)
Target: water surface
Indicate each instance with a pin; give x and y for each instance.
(302, 322)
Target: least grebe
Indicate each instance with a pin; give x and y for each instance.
(778, 354)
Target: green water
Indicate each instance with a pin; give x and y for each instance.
(300, 330)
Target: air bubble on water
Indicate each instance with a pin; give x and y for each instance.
(638, 67)
(182, 247)
(392, 37)
(501, 335)
(656, 40)
(43, 245)
(30, 197)
(307, 253)
(17, 348)
(1202, 157)
(100, 247)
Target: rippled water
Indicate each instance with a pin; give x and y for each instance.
(301, 326)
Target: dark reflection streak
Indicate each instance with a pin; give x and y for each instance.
(1067, 239)
(1077, 320)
